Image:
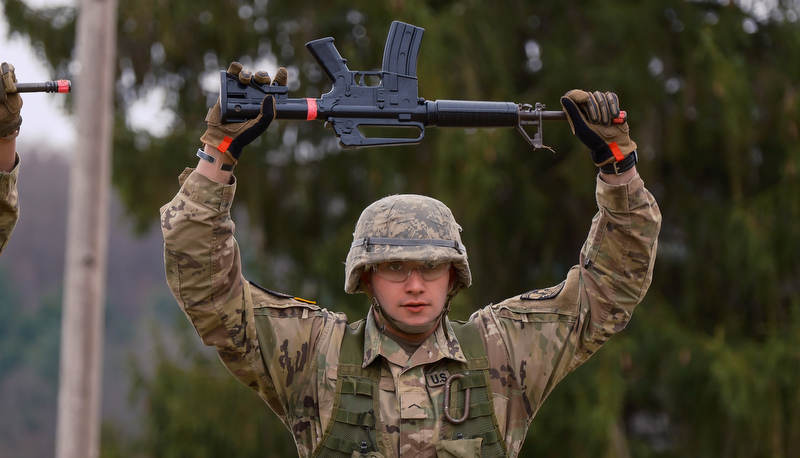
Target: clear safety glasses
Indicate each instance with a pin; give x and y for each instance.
(400, 271)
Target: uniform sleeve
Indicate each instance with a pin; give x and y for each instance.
(617, 259)
(9, 204)
(203, 271)
(547, 333)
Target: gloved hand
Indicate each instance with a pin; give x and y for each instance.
(232, 137)
(594, 118)
(10, 102)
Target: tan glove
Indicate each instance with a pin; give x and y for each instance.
(595, 120)
(232, 137)
(10, 103)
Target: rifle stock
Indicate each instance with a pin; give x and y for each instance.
(352, 104)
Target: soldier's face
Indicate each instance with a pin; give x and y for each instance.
(415, 301)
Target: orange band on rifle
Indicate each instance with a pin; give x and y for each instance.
(312, 109)
(63, 86)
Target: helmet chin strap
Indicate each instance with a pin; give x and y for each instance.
(411, 329)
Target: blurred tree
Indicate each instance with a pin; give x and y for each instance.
(709, 365)
(32, 334)
(195, 408)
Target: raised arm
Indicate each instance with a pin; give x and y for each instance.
(8, 154)
(201, 255)
(203, 269)
(10, 121)
(549, 332)
(617, 259)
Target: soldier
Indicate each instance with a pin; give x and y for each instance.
(10, 120)
(405, 380)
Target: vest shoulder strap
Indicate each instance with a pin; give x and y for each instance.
(351, 355)
(471, 344)
(355, 419)
(481, 421)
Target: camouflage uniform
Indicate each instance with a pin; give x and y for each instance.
(288, 349)
(9, 206)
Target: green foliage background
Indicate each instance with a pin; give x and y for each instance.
(710, 364)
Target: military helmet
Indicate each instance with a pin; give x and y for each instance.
(406, 227)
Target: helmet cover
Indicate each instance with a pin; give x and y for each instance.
(406, 227)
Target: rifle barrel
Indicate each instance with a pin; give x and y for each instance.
(560, 116)
(546, 115)
(59, 86)
(464, 113)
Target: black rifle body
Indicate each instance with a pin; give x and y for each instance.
(394, 102)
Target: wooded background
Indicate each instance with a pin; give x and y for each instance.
(710, 363)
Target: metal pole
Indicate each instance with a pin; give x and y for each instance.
(80, 387)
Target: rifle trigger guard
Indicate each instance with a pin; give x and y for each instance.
(447, 401)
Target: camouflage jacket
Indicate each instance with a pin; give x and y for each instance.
(9, 205)
(287, 349)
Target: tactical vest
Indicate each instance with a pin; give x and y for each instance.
(355, 428)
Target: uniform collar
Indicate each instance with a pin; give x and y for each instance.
(438, 346)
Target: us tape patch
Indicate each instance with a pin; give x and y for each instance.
(437, 377)
(546, 293)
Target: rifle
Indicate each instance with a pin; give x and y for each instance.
(394, 102)
(59, 86)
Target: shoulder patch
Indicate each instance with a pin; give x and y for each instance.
(281, 295)
(542, 294)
